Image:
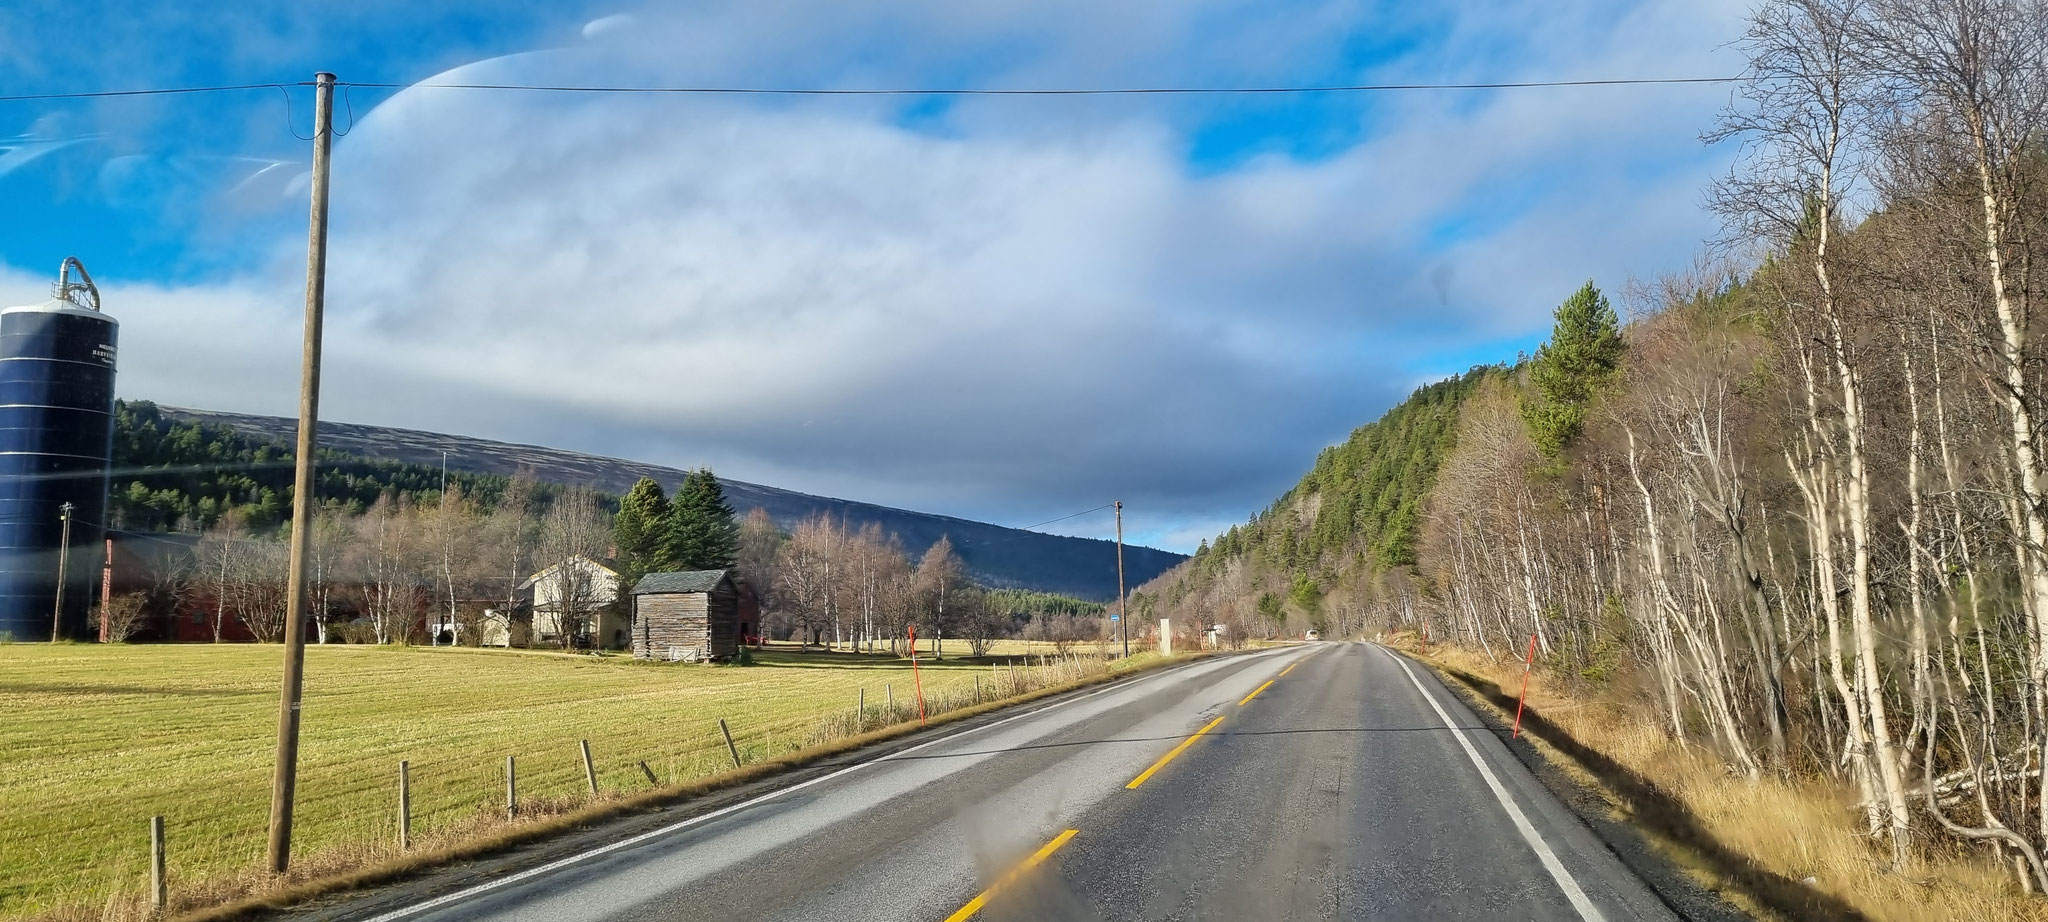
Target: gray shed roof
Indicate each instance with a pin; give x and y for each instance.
(685, 581)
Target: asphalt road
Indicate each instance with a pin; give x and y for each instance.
(1353, 786)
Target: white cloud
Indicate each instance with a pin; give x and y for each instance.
(1028, 306)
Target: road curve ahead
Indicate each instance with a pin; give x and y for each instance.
(1329, 781)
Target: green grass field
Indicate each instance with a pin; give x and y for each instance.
(97, 739)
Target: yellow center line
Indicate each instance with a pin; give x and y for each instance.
(1290, 668)
(1177, 750)
(1037, 858)
(1255, 692)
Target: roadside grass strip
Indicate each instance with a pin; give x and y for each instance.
(186, 731)
(1011, 877)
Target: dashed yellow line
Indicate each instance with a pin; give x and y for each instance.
(1184, 744)
(1177, 750)
(1037, 858)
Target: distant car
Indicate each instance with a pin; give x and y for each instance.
(1312, 635)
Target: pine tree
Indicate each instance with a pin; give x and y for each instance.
(639, 531)
(1582, 356)
(701, 532)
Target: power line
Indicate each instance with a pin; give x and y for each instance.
(1078, 91)
(1066, 517)
(162, 91)
(911, 91)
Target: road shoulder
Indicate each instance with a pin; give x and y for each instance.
(1599, 810)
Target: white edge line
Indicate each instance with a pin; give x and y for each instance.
(630, 841)
(1578, 899)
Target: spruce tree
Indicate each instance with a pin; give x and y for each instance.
(1582, 356)
(702, 533)
(640, 531)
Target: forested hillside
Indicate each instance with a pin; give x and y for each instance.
(1358, 509)
(1797, 508)
(174, 474)
(995, 555)
(387, 543)
(187, 470)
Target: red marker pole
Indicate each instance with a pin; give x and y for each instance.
(914, 677)
(1527, 664)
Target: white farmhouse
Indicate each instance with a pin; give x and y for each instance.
(578, 595)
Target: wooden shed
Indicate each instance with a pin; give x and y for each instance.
(692, 616)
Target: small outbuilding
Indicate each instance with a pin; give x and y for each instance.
(692, 616)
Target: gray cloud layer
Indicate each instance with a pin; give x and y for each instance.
(1007, 310)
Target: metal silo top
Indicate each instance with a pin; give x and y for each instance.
(60, 306)
(80, 298)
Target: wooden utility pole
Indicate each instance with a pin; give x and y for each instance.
(448, 561)
(285, 780)
(1123, 601)
(63, 572)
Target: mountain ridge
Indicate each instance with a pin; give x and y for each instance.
(1000, 556)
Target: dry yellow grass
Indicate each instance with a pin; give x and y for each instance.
(101, 738)
(1804, 828)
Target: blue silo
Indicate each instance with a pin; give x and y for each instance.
(56, 441)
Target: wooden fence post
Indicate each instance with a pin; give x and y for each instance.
(651, 780)
(158, 892)
(589, 768)
(977, 689)
(511, 790)
(404, 805)
(863, 706)
(729, 747)
(889, 692)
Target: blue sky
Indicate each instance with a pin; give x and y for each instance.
(1004, 309)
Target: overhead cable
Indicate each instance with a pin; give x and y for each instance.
(905, 91)
(1072, 91)
(1066, 517)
